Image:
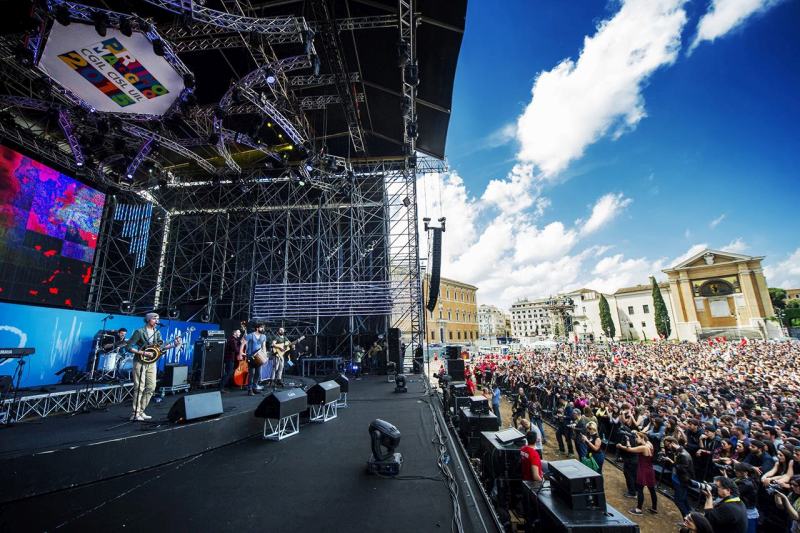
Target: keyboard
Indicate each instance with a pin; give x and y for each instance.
(8, 353)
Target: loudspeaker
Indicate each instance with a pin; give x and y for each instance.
(573, 477)
(583, 501)
(68, 374)
(324, 392)
(455, 367)
(342, 380)
(175, 375)
(436, 268)
(283, 403)
(479, 405)
(395, 351)
(459, 390)
(453, 351)
(208, 358)
(196, 406)
(472, 424)
(556, 515)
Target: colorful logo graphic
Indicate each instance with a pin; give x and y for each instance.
(115, 72)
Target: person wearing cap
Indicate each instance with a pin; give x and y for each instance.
(144, 374)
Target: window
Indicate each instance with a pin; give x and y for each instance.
(630, 309)
(450, 334)
(458, 334)
(433, 335)
(644, 325)
(456, 315)
(449, 317)
(646, 308)
(447, 292)
(630, 325)
(440, 314)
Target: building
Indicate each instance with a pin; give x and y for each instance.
(792, 294)
(492, 321)
(633, 312)
(530, 318)
(718, 293)
(455, 319)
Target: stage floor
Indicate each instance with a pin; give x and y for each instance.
(315, 480)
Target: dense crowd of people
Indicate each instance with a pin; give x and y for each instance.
(720, 420)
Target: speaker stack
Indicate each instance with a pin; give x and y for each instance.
(395, 353)
(472, 423)
(209, 352)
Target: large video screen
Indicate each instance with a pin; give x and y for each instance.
(48, 232)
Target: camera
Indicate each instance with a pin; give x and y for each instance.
(724, 467)
(773, 488)
(706, 487)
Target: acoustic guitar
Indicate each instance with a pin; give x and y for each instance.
(242, 370)
(280, 349)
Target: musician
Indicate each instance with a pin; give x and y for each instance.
(119, 341)
(279, 345)
(234, 352)
(358, 357)
(254, 342)
(144, 374)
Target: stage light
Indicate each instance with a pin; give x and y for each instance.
(384, 435)
(172, 312)
(100, 23)
(270, 77)
(406, 201)
(412, 74)
(309, 168)
(62, 15)
(188, 80)
(205, 317)
(301, 183)
(158, 47)
(315, 65)
(411, 130)
(400, 383)
(125, 26)
(308, 41)
(126, 307)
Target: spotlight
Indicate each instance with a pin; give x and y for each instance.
(400, 383)
(406, 201)
(158, 47)
(62, 15)
(411, 130)
(412, 74)
(301, 183)
(384, 435)
(126, 307)
(270, 77)
(172, 312)
(125, 26)
(24, 55)
(100, 23)
(309, 168)
(205, 317)
(188, 80)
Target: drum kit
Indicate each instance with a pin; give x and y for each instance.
(113, 363)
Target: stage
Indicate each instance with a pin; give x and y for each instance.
(219, 475)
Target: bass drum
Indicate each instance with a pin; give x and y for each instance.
(125, 368)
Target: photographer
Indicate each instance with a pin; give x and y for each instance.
(563, 431)
(682, 472)
(790, 504)
(645, 476)
(729, 513)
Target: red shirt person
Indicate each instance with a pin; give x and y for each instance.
(530, 462)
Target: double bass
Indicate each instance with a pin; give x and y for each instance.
(240, 374)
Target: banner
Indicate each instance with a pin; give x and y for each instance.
(63, 337)
(115, 73)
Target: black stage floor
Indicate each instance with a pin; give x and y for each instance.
(312, 481)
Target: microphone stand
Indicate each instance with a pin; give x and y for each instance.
(84, 407)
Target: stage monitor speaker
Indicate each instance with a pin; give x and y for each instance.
(175, 375)
(573, 477)
(479, 405)
(455, 368)
(208, 360)
(196, 406)
(395, 348)
(283, 403)
(459, 390)
(473, 424)
(453, 351)
(555, 515)
(583, 501)
(324, 392)
(341, 379)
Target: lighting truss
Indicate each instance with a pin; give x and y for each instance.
(408, 31)
(165, 142)
(323, 79)
(324, 100)
(358, 23)
(141, 155)
(66, 128)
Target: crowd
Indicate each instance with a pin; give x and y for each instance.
(718, 420)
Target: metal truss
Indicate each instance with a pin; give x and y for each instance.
(321, 80)
(332, 52)
(324, 100)
(409, 72)
(357, 23)
(66, 128)
(145, 134)
(43, 405)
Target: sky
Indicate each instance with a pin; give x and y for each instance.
(595, 143)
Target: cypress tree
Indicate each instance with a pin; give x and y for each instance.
(605, 318)
(660, 308)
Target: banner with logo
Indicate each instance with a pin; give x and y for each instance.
(115, 73)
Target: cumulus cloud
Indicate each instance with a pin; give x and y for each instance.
(614, 272)
(578, 102)
(605, 210)
(736, 246)
(786, 273)
(513, 194)
(717, 221)
(725, 15)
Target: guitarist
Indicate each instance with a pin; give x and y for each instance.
(280, 346)
(253, 343)
(144, 374)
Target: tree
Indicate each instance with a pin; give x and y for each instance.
(778, 297)
(662, 315)
(605, 318)
(557, 330)
(793, 304)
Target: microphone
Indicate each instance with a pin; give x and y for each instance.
(109, 317)
(160, 325)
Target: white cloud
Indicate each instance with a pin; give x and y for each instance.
(736, 246)
(717, 221)
(725, 15)
(694, 250)
(578, 102)
(513, 194)
(550, 242)
(786, 273)
(501, 136)
(605, 210)
(614, 272)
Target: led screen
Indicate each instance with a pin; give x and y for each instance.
(48, 232)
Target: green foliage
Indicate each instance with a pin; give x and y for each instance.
(777, 296)
(605, 318)
(663, 326)
(557, 329)
(793, 304)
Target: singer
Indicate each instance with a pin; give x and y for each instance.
(144, 374)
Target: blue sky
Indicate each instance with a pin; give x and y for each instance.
(671, 126)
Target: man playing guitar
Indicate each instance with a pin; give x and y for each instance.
(144, 373)
(280, 347)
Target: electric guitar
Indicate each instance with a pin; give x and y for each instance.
(280, 349)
